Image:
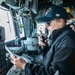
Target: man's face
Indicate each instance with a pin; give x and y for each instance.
(53, 25)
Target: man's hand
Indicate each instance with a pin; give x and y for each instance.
(41, 39)
(42, 44)
(18, 62)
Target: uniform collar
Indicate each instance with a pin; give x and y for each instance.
(57, 32)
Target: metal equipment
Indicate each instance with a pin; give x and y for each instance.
(15, 71)
(31, 43)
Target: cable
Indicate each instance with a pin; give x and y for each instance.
(3, 8)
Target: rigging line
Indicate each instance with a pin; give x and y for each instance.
(4, 9)
(15, 21)
(10, 7)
